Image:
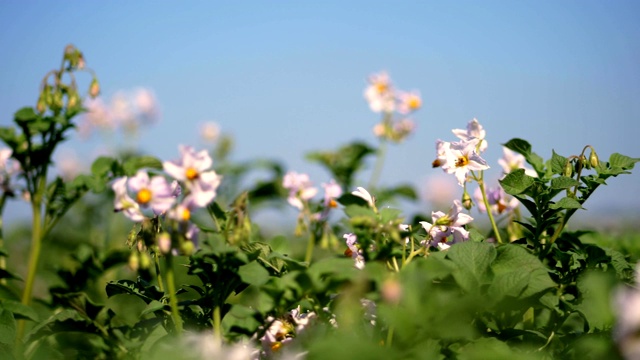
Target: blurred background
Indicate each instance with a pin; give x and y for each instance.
(287, 77)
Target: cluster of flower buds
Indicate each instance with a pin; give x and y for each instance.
(383, 98)
(55, 94)
(193, 185)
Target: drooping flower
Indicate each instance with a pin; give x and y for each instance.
(353, 250)
(474, 130)
(300, 188)
(499, 201)
(511, 160)
(461, 157)
(154, 193)
(364, 194)
(123, 202)
(443, 225)
(193, 169)
(379, 93)
(408, 101)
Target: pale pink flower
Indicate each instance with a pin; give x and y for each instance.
(474, 130)
(332, 191)
(408, 101)
(443, 225)
(300, 188)
(379, 93)
(354, 251)
(209, 131)
(461, 157)
(154, 193)
(193, 169)
(9, 168)
(499, 201)
(123, 202)
(146, 104)
(511, 160)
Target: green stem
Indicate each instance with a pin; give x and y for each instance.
(173, 301)
(377, 170)
(310, 245)
(217, 324)
(34, 256)
(390, 336)
(158, 273)
(486, 205)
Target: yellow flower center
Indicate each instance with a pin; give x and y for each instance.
(191, 174)
(414, 103)
(462, 161)
(186, 214)
(144, 196)
(276, 346)
(333, 204)
(381, 87)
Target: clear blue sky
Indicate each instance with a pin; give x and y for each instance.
(286, 77)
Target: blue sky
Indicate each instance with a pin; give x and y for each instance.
(286, 77)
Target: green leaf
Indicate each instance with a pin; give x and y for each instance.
(7, 327)
(516, 182)
(152, 307)
(350, 199)
(132, 165)
(617, 160)
(473, 260)
(102, 166)
(518, 273)
(25, 115)
(566, 203)
(18, 309)
(523, 147)
(389, 214)
(563, 182)
(356, 210)
(557, 163)
(253, 274)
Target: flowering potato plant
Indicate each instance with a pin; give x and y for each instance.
(180, 270)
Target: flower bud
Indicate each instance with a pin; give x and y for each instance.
(56, 102)
(568, 169)
(94, 88)
(187, 248)
(584, 162)
(145, 261)
(41, 106)
(391, 291)
(73, 100)
(134, 261)
(164, 242)
(593, 159)
(467, 202)
(579, 164)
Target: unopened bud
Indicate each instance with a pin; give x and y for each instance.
(593, 159)
(94, 88)
(568, 169)
(41, 106)
(467, 202)
(57, 102)
(579, 164)
(187, 248)
(391, 291)
(134, 261)
(584, 162)
(73, 100)
(164, 242)
(145, 261)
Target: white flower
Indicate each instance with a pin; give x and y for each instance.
(474, 130)
(154, 193)
(626, 303)
(364, 194)
(443, 225)
(408, 101)
(354, 251)
(193, 169)
(461, 157)
(379, 93)
(300, 188)
(123, 202)
(512, 161)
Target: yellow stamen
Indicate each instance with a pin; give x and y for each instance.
(276, 346)
(414, 103)
(333, 204)
(144, 196)
(462, 161)
(186, 214)
(191, 174)
(381, 87)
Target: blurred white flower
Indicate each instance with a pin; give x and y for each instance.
(210, 131)
(626, 304)
(474, 130)
(300, 188)
(511, 160)
(408, 101)
(379, 93)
